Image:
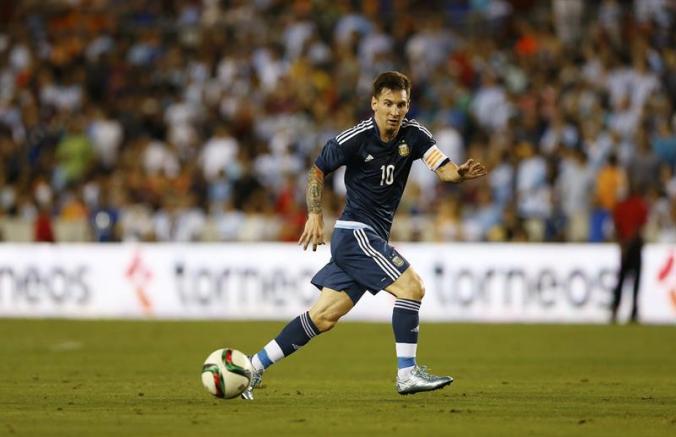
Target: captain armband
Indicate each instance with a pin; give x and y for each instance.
(434, 158)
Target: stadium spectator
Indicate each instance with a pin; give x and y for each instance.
(218, 153)
(73, 207)
(568, 19)
(136, 223)
(74, 155)
(534, 198)
(43, 230)
(137, 93)
(645, 168)
(574, 189)
(104, 220)
(448, 221)
(182, 221)
(105, 134)
(611, 184)
(664, 142)
(666, 211)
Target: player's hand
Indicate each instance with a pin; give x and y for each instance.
(313, 232)
(471, 169)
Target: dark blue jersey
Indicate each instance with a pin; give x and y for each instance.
(376, 172)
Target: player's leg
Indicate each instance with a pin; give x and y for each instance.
(411, 378)
(321, 317)
(409, 291)
(373, 263)
(329, 308)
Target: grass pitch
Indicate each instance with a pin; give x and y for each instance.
(70, 378)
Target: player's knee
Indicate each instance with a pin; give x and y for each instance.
(409, 287)
(415, 287)
(418, 290)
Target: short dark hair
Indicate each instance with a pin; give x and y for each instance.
(392, 80)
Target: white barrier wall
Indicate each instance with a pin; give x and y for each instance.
(464, 282)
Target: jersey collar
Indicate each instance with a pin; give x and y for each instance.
(376, 132)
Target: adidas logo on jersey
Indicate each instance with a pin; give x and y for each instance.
(368, 158)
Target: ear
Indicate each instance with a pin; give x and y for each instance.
(374, 103)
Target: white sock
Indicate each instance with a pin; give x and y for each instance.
(267, 356)
(404, 373)
(405, 359)
(257, 365)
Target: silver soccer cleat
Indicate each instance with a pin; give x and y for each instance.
(255, 381)
(420, 380)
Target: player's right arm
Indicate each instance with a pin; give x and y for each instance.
(314, 226)
(333, 155)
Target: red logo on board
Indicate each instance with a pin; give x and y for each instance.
(140, 276)
(667, 278)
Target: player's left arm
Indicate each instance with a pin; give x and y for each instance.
(437, 161)
(448, 171)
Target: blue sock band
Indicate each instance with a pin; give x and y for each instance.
(402, 363)
(265, 359)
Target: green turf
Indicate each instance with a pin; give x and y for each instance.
(142, 378)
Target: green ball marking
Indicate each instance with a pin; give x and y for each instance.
(218, 378)
(231, 366)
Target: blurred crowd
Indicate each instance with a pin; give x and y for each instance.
(196, 120)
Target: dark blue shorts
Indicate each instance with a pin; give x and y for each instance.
(361, 261)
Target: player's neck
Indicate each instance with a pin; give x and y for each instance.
(386, 135)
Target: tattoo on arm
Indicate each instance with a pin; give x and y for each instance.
(315, 188)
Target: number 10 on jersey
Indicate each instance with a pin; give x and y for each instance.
(387, 174)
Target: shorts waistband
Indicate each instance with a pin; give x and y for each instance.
(346, 224)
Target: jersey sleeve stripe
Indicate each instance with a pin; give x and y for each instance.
(417, 125)
(347, 131)
(433, 158)
(341, 135)
(422, 128)
(365, 128)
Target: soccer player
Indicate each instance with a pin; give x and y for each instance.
(378, 154)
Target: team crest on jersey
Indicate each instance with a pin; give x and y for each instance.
(403, 149)
(397, 260)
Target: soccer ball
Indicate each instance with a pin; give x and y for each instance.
(226, 373)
